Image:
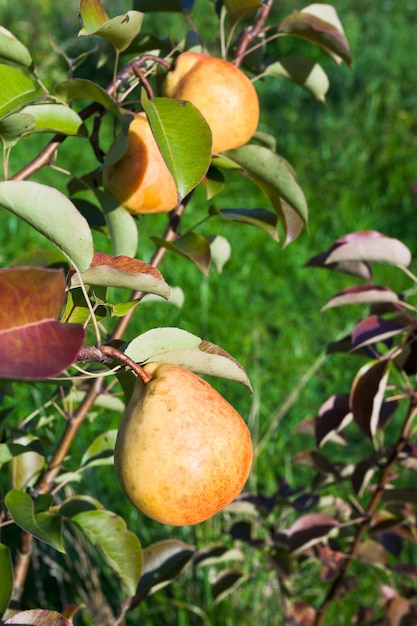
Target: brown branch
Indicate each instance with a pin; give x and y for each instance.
(376, 498)
(249, 34)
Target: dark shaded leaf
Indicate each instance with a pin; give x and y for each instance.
(217, 554)
(363, 294)
(400, 612)
(192, 246)
(375, 328)
(13, 126)
(265, 220)
(301, 71)
(226, 582)
(401, 496)
(45, 526)
(164, 5)
(101, 450)
(363, 473)
(75, 88)
(361, 269)
(333, 416)
(367, 395)
(6, 577)
(309, 530)
(163, 561)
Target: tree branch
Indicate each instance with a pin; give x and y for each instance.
(249, 34)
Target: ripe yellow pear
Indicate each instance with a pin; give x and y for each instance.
(140, 181)
(182, 451)
(223, 94)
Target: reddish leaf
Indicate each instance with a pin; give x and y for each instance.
(333, 415)
(33, 343)
(376, 328)
(363, 294)
(361, 269)
(400, 612)
(124, 272)
(367, 396)
(38, 617)
(362, 474)
(304, 613)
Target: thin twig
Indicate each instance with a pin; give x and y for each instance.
(249, 34)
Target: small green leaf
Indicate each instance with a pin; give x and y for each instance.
(121, 225)
(55, 118)
(53, 215)
(101, 450)
(6, 577)
(220, 250)
(27, 466)
(266, 220)
(173, 345)
(45, 526)
(304, 72)
(183, 137)
(192, 246)
(92, 14)
(238, 9)
(120, 547)
(14, 126)
(75, 88)
(10, 450)
(11, 49)
(18, 88)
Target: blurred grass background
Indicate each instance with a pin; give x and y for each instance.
(355, 158)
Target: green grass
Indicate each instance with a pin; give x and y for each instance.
(355, 159)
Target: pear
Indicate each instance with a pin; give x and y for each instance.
(182, 452)
(222, 93)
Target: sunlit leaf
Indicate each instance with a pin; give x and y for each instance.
(119, 546)
(18, 87)
(101, 450)
(11, 49)
(319, 24)
(333, 416)
(120, 30)
(10, 450)
(123, 231)
(56, 118)
(367, 395)
(38, 617)
(123, 272)
(45, 526)
(375, 328)
(173, 345)
(363, 294)
(183, 137)
(301, 71)
(370, 246)
(33, 343)
(93, 14)
(53, 215)
(6, 577)
(192, 246)
(26, 467)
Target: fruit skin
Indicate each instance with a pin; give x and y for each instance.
(182, 451)
(223, 94)
(140, 181)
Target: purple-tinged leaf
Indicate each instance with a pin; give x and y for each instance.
(163, 561)
(400, 611)
(38, 617)
(363, 294)
(367, 395)
(123, 272)
(372, 552)
(321, 28)
(33, 343)
(332, 417)
(192, 246)
(406, 359)
(315, 460)
(375, 328)
(304, 613)
(369, 246)
(361, 269)
(362, 474)
(309, 530)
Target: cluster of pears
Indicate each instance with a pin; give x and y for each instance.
(140, 181)
(182, 452)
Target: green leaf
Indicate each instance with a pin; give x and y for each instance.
(101, 450)
(79, 504)
(93, 15)
(6, 577)
(120, 30)
(14, 126)
(183, 137)
(55, 118)
(122, 226)
(304, 72)
(17, 88)
(75, 88)
(173, 345)
(27, 466)
(273, 174)
(11, 49)
(238, 9)
(45, 526)
(120, 547)
(192, 246)
(53, 215)
(10, 450)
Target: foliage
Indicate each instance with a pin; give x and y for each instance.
(349, 517)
